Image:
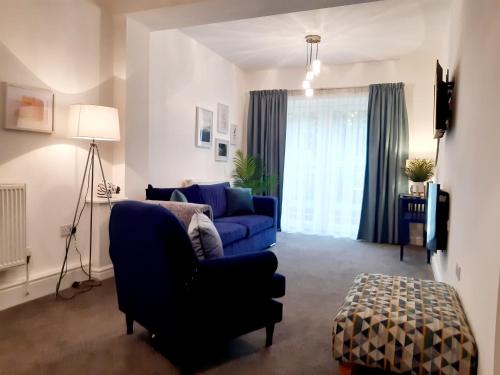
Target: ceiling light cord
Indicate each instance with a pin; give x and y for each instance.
(310, 55)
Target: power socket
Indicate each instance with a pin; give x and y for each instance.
(65, 230)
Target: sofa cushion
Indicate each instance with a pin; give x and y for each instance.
(230, 232)
(239, 201)
(192, 193)
(253, 223)
(215, 196)
(204, 237)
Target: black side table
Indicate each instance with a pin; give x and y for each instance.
(411, 210)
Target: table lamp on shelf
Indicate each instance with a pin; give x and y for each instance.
(93, 123)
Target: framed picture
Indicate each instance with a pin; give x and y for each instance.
(204, 127)
(234, 134)
(221, 150)
(222, 118)
(28, 109)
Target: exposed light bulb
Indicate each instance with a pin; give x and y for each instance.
(306, 85)
(316, 67)
(309, 75)
(309, 92)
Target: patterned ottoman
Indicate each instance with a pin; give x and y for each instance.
(403, 325)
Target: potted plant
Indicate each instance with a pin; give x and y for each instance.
(248, 174)
(419, 171)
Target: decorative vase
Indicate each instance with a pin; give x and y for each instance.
(417, 188)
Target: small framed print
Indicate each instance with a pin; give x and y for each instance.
(204, 127)
(222, 118)
(221, 150)
(28, 109)
(234, 134)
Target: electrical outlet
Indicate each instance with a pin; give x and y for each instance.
(65, 230)
(458, 271)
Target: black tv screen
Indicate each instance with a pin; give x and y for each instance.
(437, 213)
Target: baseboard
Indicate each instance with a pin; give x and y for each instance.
(43, 284)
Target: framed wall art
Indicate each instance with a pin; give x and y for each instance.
(204, 127)
(221, 150)
(222, 118)
(234, 134)
(28, 109)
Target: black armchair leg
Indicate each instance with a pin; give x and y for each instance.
(130, 324)
(269, 335)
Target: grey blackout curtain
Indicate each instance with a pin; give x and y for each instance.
(267, 112)
(386, 154)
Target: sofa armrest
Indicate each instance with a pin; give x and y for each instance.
(244, 275)
(267, 206)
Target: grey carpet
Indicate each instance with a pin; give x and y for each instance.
(86, 335)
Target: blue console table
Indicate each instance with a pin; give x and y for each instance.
(411, 210)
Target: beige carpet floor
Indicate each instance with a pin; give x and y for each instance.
(86, 335)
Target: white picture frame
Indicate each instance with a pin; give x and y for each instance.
(28, 109)
(233, 135)
(204, 127)
(221, 150)
(222, 118)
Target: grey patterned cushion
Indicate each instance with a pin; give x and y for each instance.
(404, 325)
(205, 239)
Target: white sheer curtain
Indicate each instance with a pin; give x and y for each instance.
(325, 162)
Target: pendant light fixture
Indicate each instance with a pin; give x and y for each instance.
(313, 64)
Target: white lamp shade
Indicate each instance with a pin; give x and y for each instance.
(94, 122)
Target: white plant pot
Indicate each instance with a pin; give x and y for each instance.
(417, 188)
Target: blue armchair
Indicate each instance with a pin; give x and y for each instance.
(188, 304)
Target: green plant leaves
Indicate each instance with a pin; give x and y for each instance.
(248, 174)
(419, 170)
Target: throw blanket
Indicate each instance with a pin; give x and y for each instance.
(404, 325)
(184, 211)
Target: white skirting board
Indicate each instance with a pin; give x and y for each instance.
(44, 284)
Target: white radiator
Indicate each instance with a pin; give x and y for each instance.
(12, 225)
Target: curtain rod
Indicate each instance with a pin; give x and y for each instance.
(301, 91)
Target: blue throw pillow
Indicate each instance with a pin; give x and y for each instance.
(239, 201)
(177, 196)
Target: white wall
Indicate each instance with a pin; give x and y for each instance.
(137, 109)
(468, 170)
(416, 71)
(63, 46)
(183, 75)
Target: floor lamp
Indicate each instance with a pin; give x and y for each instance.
(94, 123)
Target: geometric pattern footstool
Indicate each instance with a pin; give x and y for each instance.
(405, 326)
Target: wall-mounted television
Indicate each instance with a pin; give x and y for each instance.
(443, 91)
(437, 211)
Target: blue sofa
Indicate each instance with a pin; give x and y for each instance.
(189, 305)
(239, 234)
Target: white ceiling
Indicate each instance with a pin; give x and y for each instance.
(379, 30)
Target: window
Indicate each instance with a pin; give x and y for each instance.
(325, 162)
